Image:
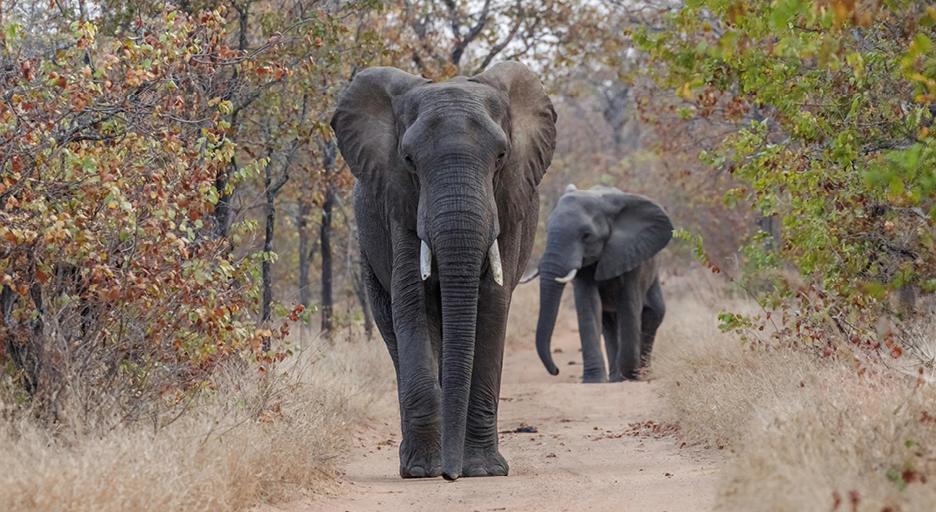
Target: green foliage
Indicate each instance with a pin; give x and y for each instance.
(728, 321)
(837, 142)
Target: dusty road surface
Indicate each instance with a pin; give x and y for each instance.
(583, 457)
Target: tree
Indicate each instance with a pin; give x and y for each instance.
(329, 155)
(842, 150)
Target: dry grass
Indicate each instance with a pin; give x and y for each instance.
(807, 433)
(252, 439)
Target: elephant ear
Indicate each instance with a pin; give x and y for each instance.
(640, 229)
(368, 134)
(532, 130)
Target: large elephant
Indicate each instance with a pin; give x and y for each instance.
(447, 208)
(605, 241)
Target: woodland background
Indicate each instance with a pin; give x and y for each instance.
(172, 203)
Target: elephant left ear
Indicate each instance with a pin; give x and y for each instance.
(640, 230)
(532, 136)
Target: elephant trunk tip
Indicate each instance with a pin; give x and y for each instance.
(547, 360)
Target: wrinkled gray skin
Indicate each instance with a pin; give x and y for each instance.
(611, 238)
(455, 165)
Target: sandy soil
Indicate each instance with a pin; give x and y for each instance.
(585, 455)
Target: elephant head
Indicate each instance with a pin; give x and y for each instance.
(612, 230)
(453, 162)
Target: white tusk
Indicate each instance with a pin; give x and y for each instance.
(425, 261)
(496, 268)
(570, 276)
(530, 277)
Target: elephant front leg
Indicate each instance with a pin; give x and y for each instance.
(419, 390)
(588, 310)
(610, 332)
(629, 309)
(482, 457)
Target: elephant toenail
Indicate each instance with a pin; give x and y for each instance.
(414, 472)
(476, 472)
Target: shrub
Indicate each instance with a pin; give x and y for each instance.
(117, 299)
(837, 101)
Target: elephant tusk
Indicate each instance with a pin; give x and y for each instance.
(570, 276)
(530, 277)
(496, 268)
(425, 261)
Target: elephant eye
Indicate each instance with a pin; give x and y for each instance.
(501, 157)
(409, 162)
(586, 236)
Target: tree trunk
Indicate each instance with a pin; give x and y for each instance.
(222, 211)
(614, 107)
(302, 222)
(327, 303)
(329, 153)
(271, 189)
(769, 224)
(268, 248)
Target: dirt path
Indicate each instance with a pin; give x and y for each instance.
(578, 460)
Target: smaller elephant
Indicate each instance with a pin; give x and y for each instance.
(606, 242)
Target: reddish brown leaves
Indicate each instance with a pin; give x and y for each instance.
(893, 347)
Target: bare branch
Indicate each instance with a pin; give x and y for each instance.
(499, 47)
(463, 42)
(453, 18)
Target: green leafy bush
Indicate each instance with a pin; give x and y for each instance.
(837, 101)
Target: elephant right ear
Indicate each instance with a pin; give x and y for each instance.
(640, 230)
(368, 135)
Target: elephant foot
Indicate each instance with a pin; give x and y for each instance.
(594, 378)
(420, 471)
(626, 376)
(423, 462)
(486, 462)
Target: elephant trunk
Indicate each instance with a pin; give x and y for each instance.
(461, 229)
(552, 282)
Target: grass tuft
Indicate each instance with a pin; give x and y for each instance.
(253, 438)
(807, 433)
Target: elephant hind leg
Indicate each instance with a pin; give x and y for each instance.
(609, 331)
(650, 319)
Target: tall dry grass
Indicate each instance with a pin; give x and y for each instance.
(253, 438)
(807, 433)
